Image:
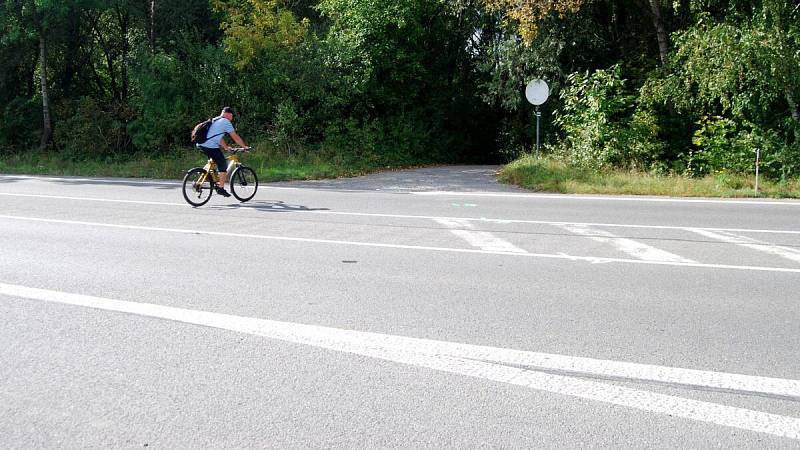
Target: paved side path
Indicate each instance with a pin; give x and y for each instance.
(444, 178)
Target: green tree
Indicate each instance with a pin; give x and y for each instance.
(745, 68)
(27, 21)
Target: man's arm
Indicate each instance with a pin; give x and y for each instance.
(235, 137)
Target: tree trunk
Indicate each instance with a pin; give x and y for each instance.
(124, 23)
(152, 25)
(795, 115)
(47, 128)
(661, 32)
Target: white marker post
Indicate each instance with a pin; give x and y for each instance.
(758, 158)
(537, 92)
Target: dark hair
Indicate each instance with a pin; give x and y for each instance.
(227, 109)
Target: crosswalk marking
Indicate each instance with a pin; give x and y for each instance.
(246, 206)
(475, 251)
(481, 239)
(629, 246)
(789, 253)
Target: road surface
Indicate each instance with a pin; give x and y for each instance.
(415, 309)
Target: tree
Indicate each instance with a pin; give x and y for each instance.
(37, 20)
(253, 27)
(661, 31)
(527, 13)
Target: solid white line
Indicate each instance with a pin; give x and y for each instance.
(143, 182)
(435, 193)
(412, 216)
(90, 199)
(146, 182)
(486, 363)
(603, 198)
(629, 246)
(447, 193)
(563, 256)
(481, 239)
(754, 244)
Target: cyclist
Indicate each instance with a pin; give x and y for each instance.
(216, 138)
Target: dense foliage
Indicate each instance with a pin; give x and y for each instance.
(685, 86)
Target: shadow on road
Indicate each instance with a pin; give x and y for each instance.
(269, 206)
(118, 182)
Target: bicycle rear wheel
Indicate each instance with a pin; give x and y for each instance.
(244, 183)
(197, 187)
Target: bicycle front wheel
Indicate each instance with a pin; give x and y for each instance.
(197, 187)
(244, 183)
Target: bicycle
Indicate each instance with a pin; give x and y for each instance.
(199, 182)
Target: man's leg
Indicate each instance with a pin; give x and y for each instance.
(222, 176)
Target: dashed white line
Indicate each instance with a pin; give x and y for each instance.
(489, 363)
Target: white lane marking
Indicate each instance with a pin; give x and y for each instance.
(603, 198)
(481, 239)
(412, 216)
(629, 246)
(90, 199)
(784, 252)
(563, 256)
(487, 241)
(96, 180)
(487, 363)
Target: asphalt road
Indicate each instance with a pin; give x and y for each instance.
(414, 309)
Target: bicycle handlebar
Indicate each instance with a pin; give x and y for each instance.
(240, 149)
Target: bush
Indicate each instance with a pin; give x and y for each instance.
(87, 131)
(287, 132)
(637, 143)
(779, 159)
(602, 125)
(20, 123)
(714, 147)
(721, 145)
(382, 142)
(173, 92)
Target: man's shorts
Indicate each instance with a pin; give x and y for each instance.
(217, 156)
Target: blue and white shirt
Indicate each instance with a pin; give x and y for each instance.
(217, 131)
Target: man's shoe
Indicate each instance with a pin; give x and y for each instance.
(222, 192)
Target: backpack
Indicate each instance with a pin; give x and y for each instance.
(200, 131)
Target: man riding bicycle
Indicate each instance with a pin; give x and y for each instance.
(216, 138)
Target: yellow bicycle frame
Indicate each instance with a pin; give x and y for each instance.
(211, 169)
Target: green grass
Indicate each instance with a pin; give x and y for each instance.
(548, 175)
(537, 174)
(269, 164)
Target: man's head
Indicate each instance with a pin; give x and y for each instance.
(227, 112)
